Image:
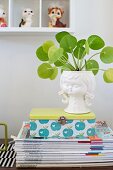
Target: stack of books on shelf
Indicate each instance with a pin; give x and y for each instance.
(41, 151)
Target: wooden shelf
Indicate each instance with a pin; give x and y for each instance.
(14, 10)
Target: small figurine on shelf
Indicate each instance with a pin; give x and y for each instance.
(55, 13)
(26, 20)
(3, 22)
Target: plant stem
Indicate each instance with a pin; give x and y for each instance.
(102, 69)
(93, 56)
(64, 58)
(70, 63)
(62, 61)
(71, 66)
(78, 59)
(74, 60)
(85, 64)
(90, 59)
(78, 63)
(81, 61)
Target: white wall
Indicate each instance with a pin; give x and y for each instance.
(20, 87)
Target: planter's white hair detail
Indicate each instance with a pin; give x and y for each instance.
(77, 89)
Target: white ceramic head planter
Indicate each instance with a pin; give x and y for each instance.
(77, 88)
(26, 20)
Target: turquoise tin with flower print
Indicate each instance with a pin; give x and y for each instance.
(57, 123)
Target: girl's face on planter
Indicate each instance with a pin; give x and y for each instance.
(74, 87)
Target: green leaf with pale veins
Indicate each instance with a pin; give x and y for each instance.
(60, 35)
(106, 55)
(95, 42)
(87, 47)
(79, 52)
(93, 66)
(108, 75)
(47, 45)
(54, 74)
(61, 61)
(45, 70)
(54, 54)
(41, 54)
(51, 53)
(81, 43)
(68, 43)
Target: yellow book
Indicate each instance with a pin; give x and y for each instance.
(55, 113)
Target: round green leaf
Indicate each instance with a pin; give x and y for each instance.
(87, 47)
(54, 74)
(106, 55)
(108, 75)
(45, 70)
(93, 66)
(81, 43)
(95, 42)
(55, 54)
(64, 59)
(47, 45)
(79, 52)
(51, 53)
(68, 43)
(60, 35)
(41, 54)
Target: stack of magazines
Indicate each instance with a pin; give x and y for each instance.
(33, 152)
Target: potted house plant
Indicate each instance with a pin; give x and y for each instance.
(78, 68)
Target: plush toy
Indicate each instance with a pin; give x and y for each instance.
(55, 13)
(2, 17)
(26, 20)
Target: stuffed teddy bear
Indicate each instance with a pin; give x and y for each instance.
(55, 13)
(2, 17)
(26, 20)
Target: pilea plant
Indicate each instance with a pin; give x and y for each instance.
(72, 55)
